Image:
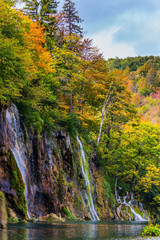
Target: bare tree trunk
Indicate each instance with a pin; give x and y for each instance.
(100, 129)
(108, 102)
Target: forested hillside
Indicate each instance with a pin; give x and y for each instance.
(59, 81)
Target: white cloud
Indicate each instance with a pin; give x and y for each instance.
(104, 40)
(141, 30)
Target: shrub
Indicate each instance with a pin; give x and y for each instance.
(151, 230)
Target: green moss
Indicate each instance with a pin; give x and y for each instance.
(78, 202)
(138, 211)
(2, 196)
(3, 211)
(131, 215)
(18, 185)
(123, 208)
(12, 220)
(69, 214)
(108, 194)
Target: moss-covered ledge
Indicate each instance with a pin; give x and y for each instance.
(3, 215)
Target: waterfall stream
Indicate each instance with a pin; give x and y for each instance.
(17, 145)
(123, 201)
(88, 194)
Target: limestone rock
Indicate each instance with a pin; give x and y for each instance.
(12, 217)
(3, 215)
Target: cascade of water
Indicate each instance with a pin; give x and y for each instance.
(123, 201)
(17, 145)
(88, 194)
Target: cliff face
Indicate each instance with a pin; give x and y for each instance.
(47, 171)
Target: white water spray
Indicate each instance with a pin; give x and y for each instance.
(88, 194)
(123, 201)
(17, 145)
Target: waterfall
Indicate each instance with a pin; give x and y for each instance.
(16, 144)
(123, 201)
(88, 194)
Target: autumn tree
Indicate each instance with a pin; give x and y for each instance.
(43, 11)
(27, 69)
(133, 149)
(117, 107)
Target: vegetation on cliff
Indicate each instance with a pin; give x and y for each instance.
(59, 80)
(3, 213)
(18, 202)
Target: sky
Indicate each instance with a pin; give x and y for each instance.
(122, 28)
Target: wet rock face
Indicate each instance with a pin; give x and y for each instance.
(46, 169)
(50, 168)
(45, 165)
(3, 132)
(3, 218)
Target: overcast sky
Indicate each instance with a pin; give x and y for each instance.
(122, 28)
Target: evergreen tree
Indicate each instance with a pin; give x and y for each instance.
(72, 19)
(32, 8)
(47, 11)
(47, 20)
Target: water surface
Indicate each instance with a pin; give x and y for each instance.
(97, 230)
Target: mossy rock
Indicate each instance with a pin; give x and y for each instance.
(138, 211)
(78, 202)
(51, 218)
(69, 214)
(18, 185)
(12, 217)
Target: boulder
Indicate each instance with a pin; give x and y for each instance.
(12, 217)
(51, 218)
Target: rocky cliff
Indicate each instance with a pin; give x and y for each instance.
(43, 174)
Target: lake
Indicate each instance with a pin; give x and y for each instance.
(73, 230)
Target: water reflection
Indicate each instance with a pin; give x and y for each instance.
(73, 230)
(18, 234)
(3, 234)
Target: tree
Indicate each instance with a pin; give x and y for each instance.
(133, 149)
(72, 19)
(43, 11)
(26, 68)
(10, 2)
(117, 107)
(32, 9)
(91, 59)
(48, 10)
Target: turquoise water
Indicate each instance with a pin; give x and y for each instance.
(73, 230)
